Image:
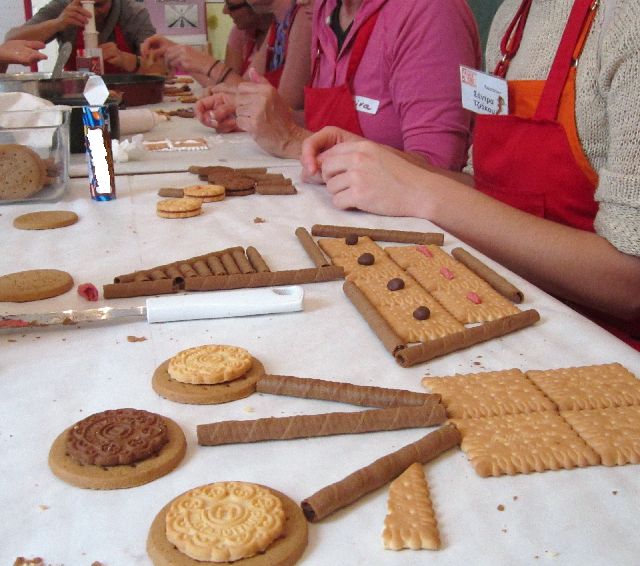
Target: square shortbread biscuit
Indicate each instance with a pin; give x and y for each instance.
(524, 443)
(346, 256)
(613, 433)
(588, 387)
(488, 394)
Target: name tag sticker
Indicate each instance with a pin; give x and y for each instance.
(366, 105)
(483, 93)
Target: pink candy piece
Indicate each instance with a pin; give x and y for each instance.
(474, 297)
(88, 291)
(13, 323)
(424, 250)
(446, 273)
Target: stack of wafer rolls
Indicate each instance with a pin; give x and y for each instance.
(362, 395)
(265, 183)
(399, 236)
(367, 479)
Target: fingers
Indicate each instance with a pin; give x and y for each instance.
(314, 145)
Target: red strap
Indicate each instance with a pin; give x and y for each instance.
(581, 15)
(511, 40)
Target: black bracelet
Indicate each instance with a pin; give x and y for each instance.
(212, 66)
(224, 76)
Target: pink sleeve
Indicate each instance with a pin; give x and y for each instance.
(425, 83)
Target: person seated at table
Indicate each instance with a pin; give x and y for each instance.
(388, 71)
(20, 51)
(552, 191)
(247, 35)
(122, 25)
(283, 62)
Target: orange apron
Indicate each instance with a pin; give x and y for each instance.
(532, 159)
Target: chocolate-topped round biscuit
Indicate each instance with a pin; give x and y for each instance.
(421, 313)
(116, 437)
(351, 239)
(395, 284)
(366, 259)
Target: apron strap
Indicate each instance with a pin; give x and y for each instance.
(573, 39)
(511, 40)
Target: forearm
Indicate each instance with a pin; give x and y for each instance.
(573, 264)
(44, 31)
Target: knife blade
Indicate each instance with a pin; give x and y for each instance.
(171, 308)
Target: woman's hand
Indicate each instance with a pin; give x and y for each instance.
(155, 46)
(318, 143)
(21, 51)
(218, 110)
(186, 59)
(112, 55)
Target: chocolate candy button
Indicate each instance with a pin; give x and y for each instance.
(421, 313)
(395, 284)
(366, 259)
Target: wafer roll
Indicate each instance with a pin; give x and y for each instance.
(242, 262)
(157, 274)
(229, 263)
(141, 288)
(365, 480)
(387, 335)
(214, 263)
(142, 276)
(425, 351)
(327, 424)
(201, 268)
(365, 396)
(399, 236)
(173, 271)
(498, 282)
(275, 189)
(265, 279)
(312, 249)
(257, 261)
(187, 270)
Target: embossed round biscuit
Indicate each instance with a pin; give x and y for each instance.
(178, 205)
(206, 193)
(188, 214)
(210, 364)
(117, 437)
(45, 220)
(120, 476)
(192, 394)
(224, 521)
(34, 285)
(284, 551)
(22, 172)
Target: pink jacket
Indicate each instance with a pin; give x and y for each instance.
(411, 66)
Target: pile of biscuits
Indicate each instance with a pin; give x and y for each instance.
(23, 173)
(208, 374)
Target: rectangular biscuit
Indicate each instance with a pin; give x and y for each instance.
(613, 433)
(523, 443)
(588, 387)
(488, 394)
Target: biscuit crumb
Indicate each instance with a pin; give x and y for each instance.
(249, 410)
(96, 563)
(258, 220)
(615, 492)
(22, 561)
(500, 507)
(136, 338)
(43, 507)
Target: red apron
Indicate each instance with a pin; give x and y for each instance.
(120, 42)
(334, 106)
(274, 76)
(533, 159)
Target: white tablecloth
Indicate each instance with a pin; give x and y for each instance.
(51, 378)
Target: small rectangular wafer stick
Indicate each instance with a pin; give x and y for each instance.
(265, 279)
(327, 424)
(214, 263)
(139, 289)
(498, 282)
(425, 351)
(383, 330)
(313, 250)
(257, 261)
(400, 236)
(272, 189)
(170, 192)
(367, 479)
(365, 396)
(242, 262)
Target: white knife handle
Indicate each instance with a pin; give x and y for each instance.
(221, 304)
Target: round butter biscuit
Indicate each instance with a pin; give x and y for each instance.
(207, 193)
(285, 550)
(34, 285)
(210, 364)
(178, 205)
(22, 172)
(45, 220)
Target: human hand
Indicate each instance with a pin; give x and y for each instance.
(317, 143)
(21, 51)
(188, 59)
(218, 110)
(112, 55)
(73, 15)
(262, 112)
(365, 175)
(155, 46)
